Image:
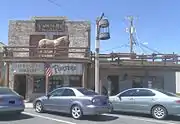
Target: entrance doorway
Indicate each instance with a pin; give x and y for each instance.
(20, 84)
(114, 84)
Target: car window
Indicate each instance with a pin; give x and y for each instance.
(167, 93)
(128, 93)
(4, 91)
(87, 92)
(144, 92)
(57, 92)
(68, 92)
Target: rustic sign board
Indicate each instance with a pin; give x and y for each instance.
(50, 26)
(67, 69)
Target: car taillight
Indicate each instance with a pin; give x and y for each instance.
(178, 101)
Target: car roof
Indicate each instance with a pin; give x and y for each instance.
(71, 88)
(140, 88)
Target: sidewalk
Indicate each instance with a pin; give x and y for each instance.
(28, 105)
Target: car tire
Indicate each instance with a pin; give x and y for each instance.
(76, 112)
(39, 107)
(159, 112)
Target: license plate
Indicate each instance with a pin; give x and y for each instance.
(12, 102)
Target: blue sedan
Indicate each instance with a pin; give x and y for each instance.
(10, 101)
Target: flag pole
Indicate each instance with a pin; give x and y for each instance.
(47, 79)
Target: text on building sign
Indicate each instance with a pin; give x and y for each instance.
(25, 65)
(59, 68)
(50, 26)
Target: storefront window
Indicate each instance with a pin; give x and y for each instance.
(75, 81)
(59, 81)
(39, 84)
(137, 82)
(55, 82)
(158, 82)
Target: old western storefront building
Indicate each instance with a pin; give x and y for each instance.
(72, 62)
(62, 43)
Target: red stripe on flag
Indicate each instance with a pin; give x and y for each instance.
(48, 70)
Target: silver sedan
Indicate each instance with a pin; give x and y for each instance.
(158, 103)
(76, 101)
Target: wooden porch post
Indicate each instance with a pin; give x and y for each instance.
(47, 80)
(84, 77)
(7, 74)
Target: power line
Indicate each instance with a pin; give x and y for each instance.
(140, 43)
(118, 47)
(54, 2)
(135, 41)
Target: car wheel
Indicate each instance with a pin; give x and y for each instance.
(39, 107)
(76, 112)
(159, 112)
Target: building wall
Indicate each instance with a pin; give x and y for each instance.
(170, 79)
(177, 82)
(20, 31)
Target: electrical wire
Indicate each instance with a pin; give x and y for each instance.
(140, 43)
(54, 2)
(118, 47)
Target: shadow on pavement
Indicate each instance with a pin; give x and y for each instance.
(100, 118)
(170, 118)
(14, 117)
(90, 118)
(173, 118)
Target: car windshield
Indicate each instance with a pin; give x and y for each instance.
(4, 91)
(167, 93)
(87, 92)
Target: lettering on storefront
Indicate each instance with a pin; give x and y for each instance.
(68, 69)
(28, 68)
(50, 25)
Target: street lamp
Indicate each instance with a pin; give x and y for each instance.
(102, 33)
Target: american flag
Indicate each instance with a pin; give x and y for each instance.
(48, 70)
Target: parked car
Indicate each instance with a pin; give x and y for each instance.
(158, 103)
(75, 101)
(10, 101)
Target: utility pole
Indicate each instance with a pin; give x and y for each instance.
(102, 24)
(131, 31)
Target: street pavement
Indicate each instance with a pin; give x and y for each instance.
(31, 117)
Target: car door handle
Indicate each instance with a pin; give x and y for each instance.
(130, 98)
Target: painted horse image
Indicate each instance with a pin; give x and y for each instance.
(56, 45)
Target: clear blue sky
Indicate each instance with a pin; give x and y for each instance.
(157, 22)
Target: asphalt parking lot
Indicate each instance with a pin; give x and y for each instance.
(31, 117)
